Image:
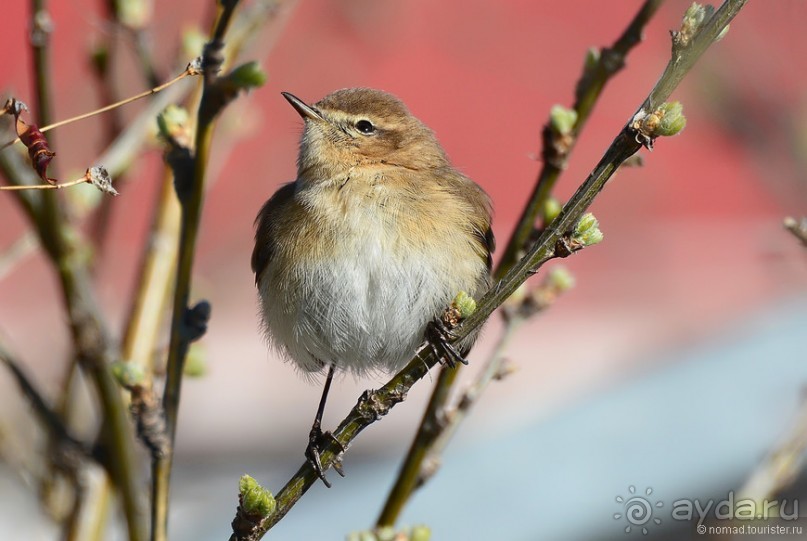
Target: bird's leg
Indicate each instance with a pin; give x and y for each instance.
(317, 438)
(438, 335)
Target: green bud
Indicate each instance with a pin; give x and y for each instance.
(551, 210)
(196, 361)
(588, 231)
(255, 500)
(668, 119)
(562, 119)
(384, 533)
(247, 76)
(99, 58)
(592, 58)
(560, 279)
(127, 374)
(586, 223)
(134, 14)
(671, 118)
(193, 41)
(247, 483)
(694, 17)
(420, 532)
(722, 33)
(172, 123)
(465, 304)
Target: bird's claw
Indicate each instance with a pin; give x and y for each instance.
(438, 336)
(317, 441)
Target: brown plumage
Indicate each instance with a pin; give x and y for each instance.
(370, 243)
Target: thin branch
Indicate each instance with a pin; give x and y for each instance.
(159, 258)
(557, 148)
(373, 405)
(624, 146)
(21, 248)
(72, 449)
(62, 245)
(429, 429)
(516, 314)
(190, 70)
(82, 180)
(93, 347)
(156, 275)
(555, 152)
(41, 28)
(190, 181)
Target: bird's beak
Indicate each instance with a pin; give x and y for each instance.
(305, 110)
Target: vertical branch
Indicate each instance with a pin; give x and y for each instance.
(92, 346)
(190, 181)
(154, 282)
(408, 476)
(41, 27)
(62, 244)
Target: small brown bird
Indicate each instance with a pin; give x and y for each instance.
(356, 259)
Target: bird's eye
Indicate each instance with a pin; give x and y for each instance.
(365, 126)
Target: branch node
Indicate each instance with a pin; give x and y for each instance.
(149, 420)
(196, 320)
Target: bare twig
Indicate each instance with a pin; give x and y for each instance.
(22, 247)
(375, 404)
(430, 427)
(190, 70)
(93, 348)
(41, 28)
(190, 181)
(95, 176)
(62, 245)
(72, 449)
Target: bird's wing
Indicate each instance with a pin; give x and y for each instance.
(266, 225)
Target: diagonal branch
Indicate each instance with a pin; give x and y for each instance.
(188, 324)
(557, 148)
(608, 63)
(72, 449)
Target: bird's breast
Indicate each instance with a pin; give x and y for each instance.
(356, 282)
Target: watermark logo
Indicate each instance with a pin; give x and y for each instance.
(638, 511)
(642, 511)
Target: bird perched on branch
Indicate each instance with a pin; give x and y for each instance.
(356, 259)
